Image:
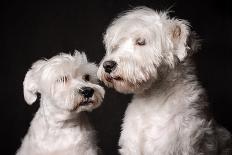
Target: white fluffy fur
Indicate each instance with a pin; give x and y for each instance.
(167, 115)
(60, 126)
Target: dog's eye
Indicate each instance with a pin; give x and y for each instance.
(63, 79)
(86, 77)
(114, 48)
(140, 42)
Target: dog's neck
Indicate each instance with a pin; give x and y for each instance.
(169, 78)
(54, 117)
(53, 126)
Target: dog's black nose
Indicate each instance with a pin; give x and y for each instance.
(109, 66)
(87, 92)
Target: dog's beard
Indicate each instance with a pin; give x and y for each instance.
(126, 87)
(124, 84)
(80, 103)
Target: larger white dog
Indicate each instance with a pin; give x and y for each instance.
(147, 54)
(68, 88)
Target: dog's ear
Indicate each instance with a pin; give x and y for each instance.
(178, 33)
(30, 83)
(80, 57)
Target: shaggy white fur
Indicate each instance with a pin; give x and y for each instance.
(68, 87)
(147, 54)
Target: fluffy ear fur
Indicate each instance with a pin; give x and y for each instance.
(179, 32)
(193, 43)
(30, 83)
(80, 57)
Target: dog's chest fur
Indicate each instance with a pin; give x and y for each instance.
(46, 138)
(160, 123)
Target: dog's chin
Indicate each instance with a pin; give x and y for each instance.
(85, 105)
(124, 88)
(120, 84)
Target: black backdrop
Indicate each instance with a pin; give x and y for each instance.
(34, 30)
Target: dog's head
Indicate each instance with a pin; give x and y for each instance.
(69, 82)
(137, 43)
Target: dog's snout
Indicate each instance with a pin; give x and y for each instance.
(109, 66)
(87, 92)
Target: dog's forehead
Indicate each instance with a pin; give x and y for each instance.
(63, 64)
(88, 68)
(140, 17)
(133, 27)
(65, 59)
(71, 69)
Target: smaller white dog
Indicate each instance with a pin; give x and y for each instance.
(68, 87)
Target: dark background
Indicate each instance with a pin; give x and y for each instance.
(34, 30)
